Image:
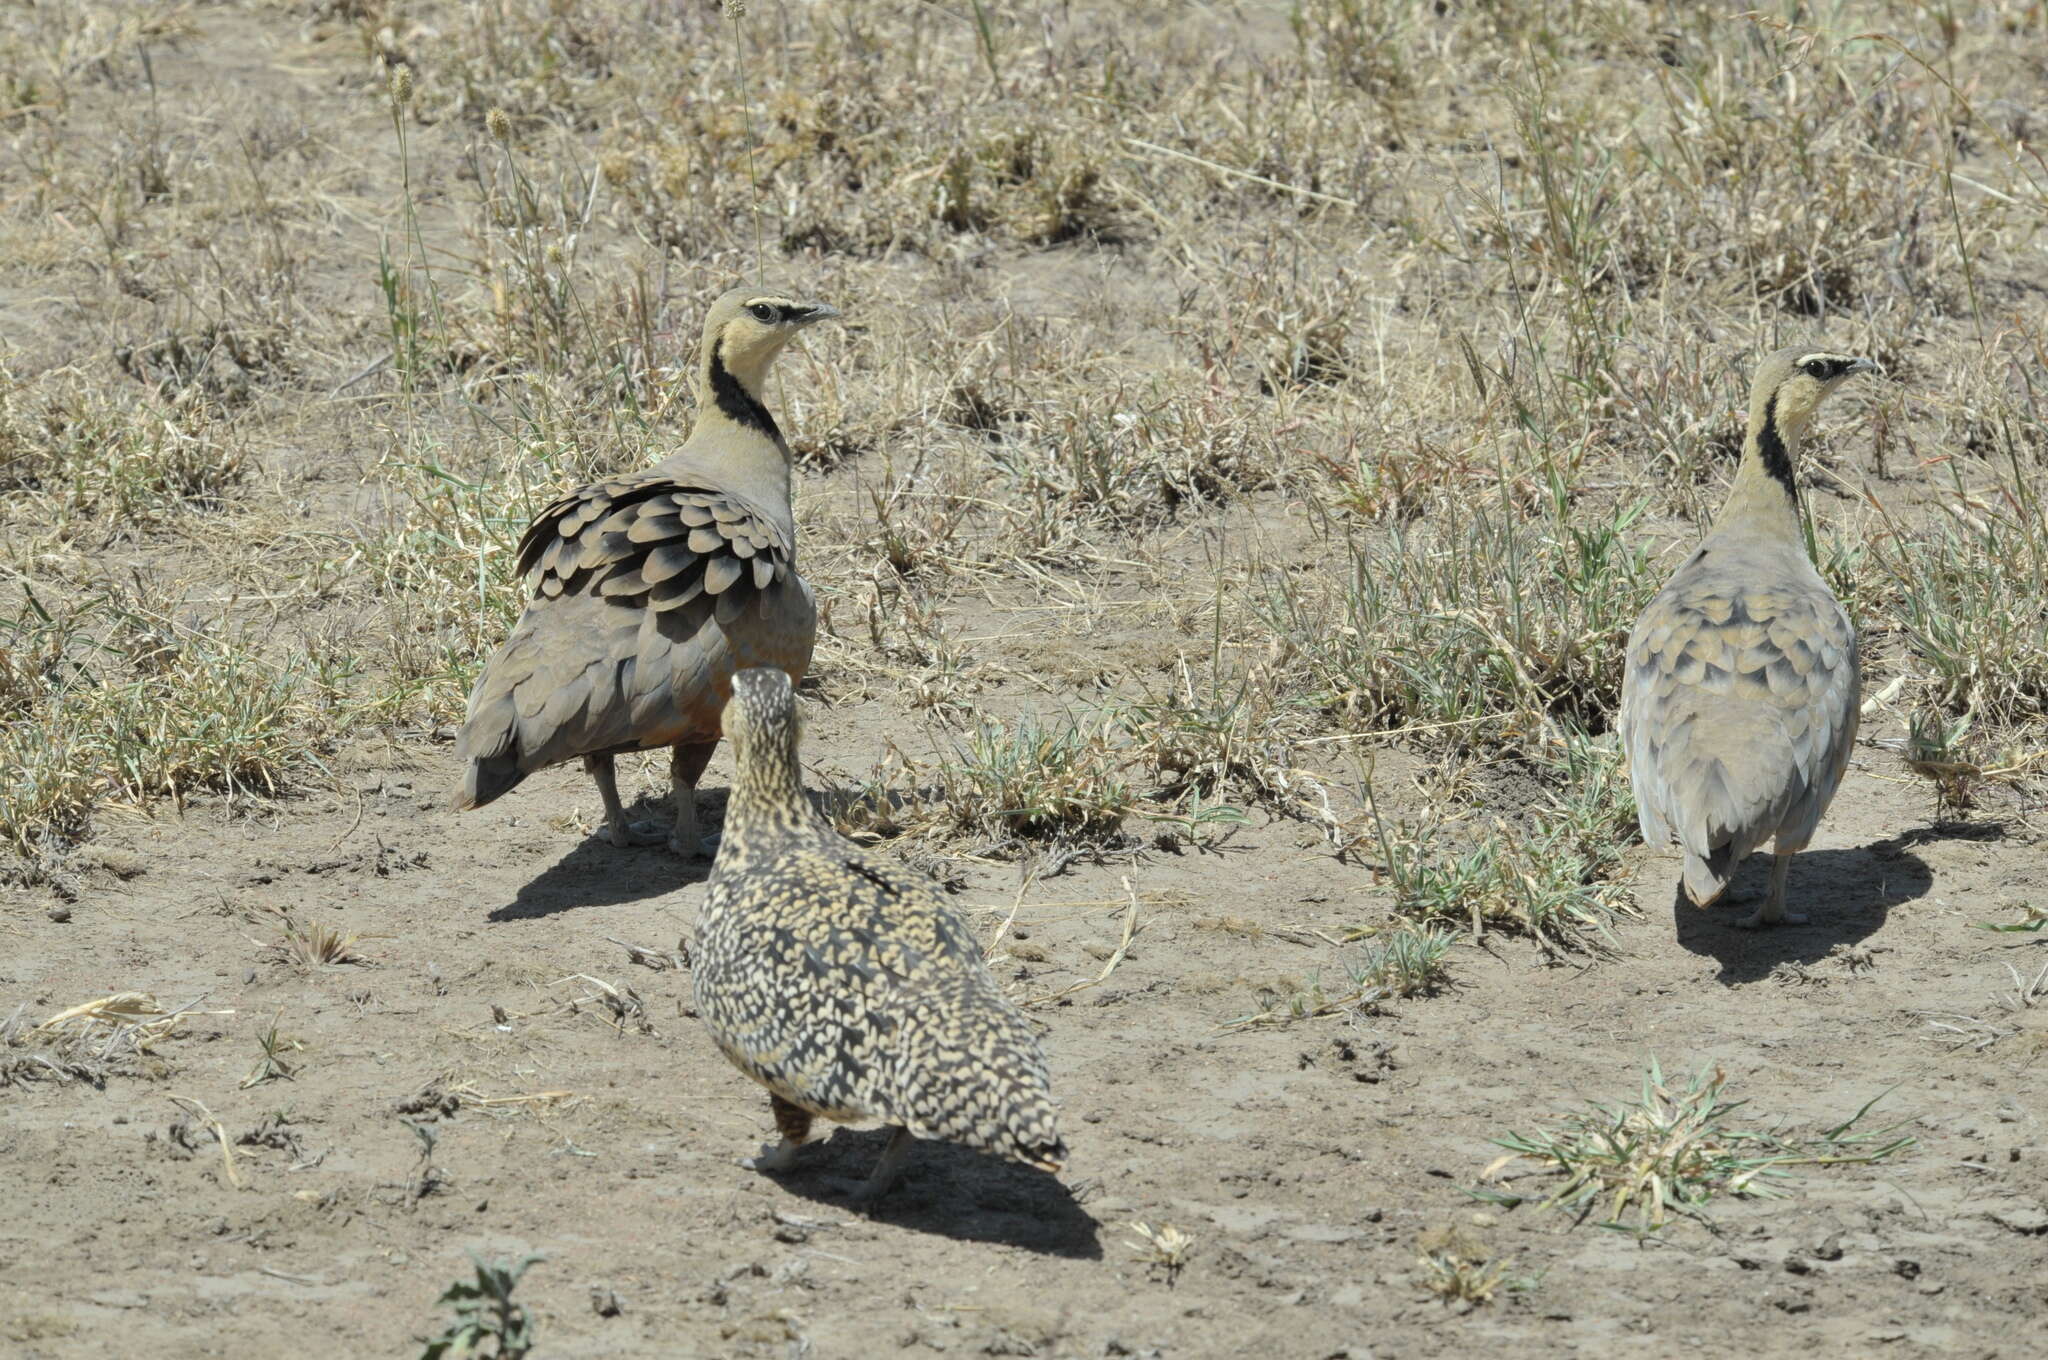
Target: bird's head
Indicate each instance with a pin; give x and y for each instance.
(761, 718)
(749, 326)
(1792, 383)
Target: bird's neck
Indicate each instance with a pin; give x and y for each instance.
(735, 441)
(1764, 501)
(767, 792)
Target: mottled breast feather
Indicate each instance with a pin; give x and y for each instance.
(645, 539)
(1739, 708)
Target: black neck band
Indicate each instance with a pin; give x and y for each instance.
(1771, 446)
(733, 398)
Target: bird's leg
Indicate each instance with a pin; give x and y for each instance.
(884, 1174)
(793, 1122)
(686, 767)
(1772, 912)
(617, 829)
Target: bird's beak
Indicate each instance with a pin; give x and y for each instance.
(813, 311)
(1864, 366)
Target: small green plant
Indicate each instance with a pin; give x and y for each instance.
(270, 1060)
(1456, 1278)
(1554, 879)
(1672, 1151)
(1407, 962)
(1038, 782)
(487, 1321)
(2036, 918)
(1935, 750)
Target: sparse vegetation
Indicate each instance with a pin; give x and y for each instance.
(1163, 1247)
(1671, 1152)
(488, 1321)
(1254, 431)
(271, 1063)
(1406, 961)
(1550, 877)
(108, 700)
(1477, 566)
(310, 945)
(107, 1036)
(1457, 1278)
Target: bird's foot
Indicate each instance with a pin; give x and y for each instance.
(623, 833)
(869, 1191)
(1762, 917)
(884, 1175)
(772, 1157)
(705, 848)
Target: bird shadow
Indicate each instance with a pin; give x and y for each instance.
(1846, 895)
(948, 1191)
(597, 873)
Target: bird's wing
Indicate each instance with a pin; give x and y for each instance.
(648, 539)
(899, 1017)
(1739, 708)
(613, 649)
(967, 1066)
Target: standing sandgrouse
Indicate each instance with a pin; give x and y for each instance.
(650, 589)
(1739, 697)
(848, 989)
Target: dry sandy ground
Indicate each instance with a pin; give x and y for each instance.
(576, 1109)
(1310, 1163)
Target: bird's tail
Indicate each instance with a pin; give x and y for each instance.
(1707, 878)
(490, 740)
(1032, 1126)
(1045, 1156)
(484, 781)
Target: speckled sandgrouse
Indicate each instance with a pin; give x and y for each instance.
(1739, 697)
(846, 988)
(651, 589)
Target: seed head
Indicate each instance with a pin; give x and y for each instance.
(401, 84)
(499, 124)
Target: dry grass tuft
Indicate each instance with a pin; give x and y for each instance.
(1163, 1247)
(114, 1035)
(1457, 1278)
(1673, 1151)
(311, 946)
(1365, 424)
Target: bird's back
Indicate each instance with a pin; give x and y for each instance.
(854, 992)
(1739, 705)
(650, 590)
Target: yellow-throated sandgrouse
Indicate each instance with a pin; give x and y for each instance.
(1739, 697)
(846, 988)
(651, 589)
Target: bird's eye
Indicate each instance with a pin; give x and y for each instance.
(762, 311)
(1817, 368)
